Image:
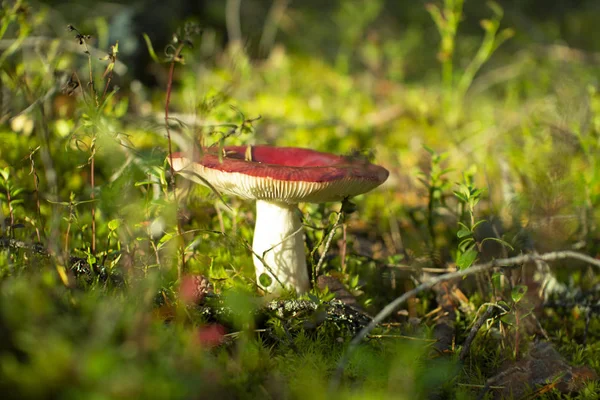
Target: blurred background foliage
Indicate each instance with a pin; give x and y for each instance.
(501, 96)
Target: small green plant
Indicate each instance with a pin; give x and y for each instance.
(9, 194)
(470, 247)
(437, 184)
(173, 52)
(447, 18)
(36, 191)
(71, 218)
(93, 118)
(113, 234)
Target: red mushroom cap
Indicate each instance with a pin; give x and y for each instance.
(286, 174)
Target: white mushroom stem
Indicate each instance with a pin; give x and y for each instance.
(279, 241)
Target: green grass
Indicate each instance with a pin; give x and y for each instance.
(492, 151)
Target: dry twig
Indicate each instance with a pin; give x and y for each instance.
(476, 327)
(504, 262)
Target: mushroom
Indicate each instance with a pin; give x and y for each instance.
(279, 178)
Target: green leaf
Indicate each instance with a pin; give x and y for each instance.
(424, 182)
(313, 298)
(144, 183)
(463, 226)
(466, 244)
(441, 157)
(5, 173)
(477, 192)
(508, 319)
(114, 224)
(460, 196)
(150, 48)
(502, 242)
(463, 233)
(429, 149)
(114, 262)
(354, 281)
(466, 259)
(518, 292)
(166, 237)
(476, 224)
(496, 279)
(91, 259)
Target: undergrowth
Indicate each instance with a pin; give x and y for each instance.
(119, 279)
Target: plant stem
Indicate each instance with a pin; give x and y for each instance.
(67, 235)
(517, 337)
(336, 224)
(108, 79)
(106, 251)
(93, 195)
(91, 82)
(36, 193)
(176, 55)
(476, 327)
(10, 210)
(92, 146)
(344, 248)
(430, 213)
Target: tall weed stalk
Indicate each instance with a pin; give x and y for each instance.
(447, 18)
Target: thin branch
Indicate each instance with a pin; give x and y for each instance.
(264, 263)
(391, 307)
(427, 270)
(328, 244)
(476, 327)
